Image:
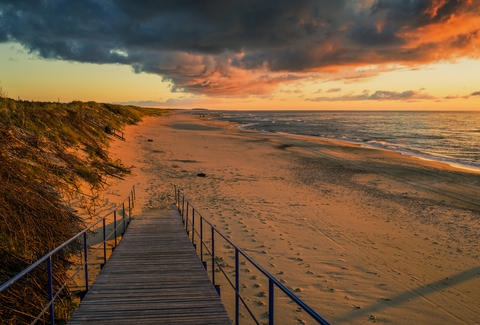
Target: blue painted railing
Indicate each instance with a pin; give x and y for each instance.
(205, 236)
(118, 224)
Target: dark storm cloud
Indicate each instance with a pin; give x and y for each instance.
(417, 12)
(384, 22)
(202, 46)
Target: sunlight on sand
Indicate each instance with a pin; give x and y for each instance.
(361, 235)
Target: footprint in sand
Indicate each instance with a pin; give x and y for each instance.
(301, 321)
(261, 294)
(296, 259)
(259, 303)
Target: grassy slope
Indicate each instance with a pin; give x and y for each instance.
(46, 151)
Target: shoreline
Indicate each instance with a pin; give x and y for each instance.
(360, 234)
(437, 161)
(372, 143)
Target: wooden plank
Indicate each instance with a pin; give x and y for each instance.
(153, 277)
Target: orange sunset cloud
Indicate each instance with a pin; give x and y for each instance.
(249, 48)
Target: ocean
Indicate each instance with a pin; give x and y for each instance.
(450, 137)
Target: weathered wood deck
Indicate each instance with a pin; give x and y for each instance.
(153, 277)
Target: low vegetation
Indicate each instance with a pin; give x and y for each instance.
(48, 151)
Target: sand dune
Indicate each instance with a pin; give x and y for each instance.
(362, 235)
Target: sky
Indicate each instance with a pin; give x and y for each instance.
(244, 54)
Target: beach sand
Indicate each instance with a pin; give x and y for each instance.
(361, 235)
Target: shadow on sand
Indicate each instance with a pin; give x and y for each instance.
(96, 236)
(411, 294)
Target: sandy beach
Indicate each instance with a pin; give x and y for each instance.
(362, 235)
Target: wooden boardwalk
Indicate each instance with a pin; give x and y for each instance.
(153, 277)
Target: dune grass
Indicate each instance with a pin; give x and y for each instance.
(48, 151)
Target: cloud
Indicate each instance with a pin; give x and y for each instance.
(169, 103)
(243, 46)
(465, 96)
(145, 103)
(378, 95)
(333, 90)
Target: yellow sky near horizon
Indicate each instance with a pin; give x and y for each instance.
(437, 86)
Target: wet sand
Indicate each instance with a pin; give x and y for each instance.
(362, 235)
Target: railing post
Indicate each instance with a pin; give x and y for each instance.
(193, 227)
(123, 221)
(271, 302)
(50, 290)
(183, 205)
(129, 210)
(104, 242)
(201, 238)
(178, 198)
(237, 287)
(133, 197)
(213, 259)
(175, 193)
(123, 209)
(186, 221)
(85, 254)
(115, 227)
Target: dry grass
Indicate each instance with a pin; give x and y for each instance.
(46, 151)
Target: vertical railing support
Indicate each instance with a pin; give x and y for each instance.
(123, 221)
(115, 227)
(271, 302)
(123, 211)
(104, 241)
(183, 206)
(50, 290)
(201, 238)
(129, 210)
(186, 220)
(193, 227)
(237, 288)
(85, 254)
(175, 194)
(133, 197)
(178, 198)
(213, 254)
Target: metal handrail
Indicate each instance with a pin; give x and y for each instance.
(47, 258)
(180, 202)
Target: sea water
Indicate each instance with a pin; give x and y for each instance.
(451, 137)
